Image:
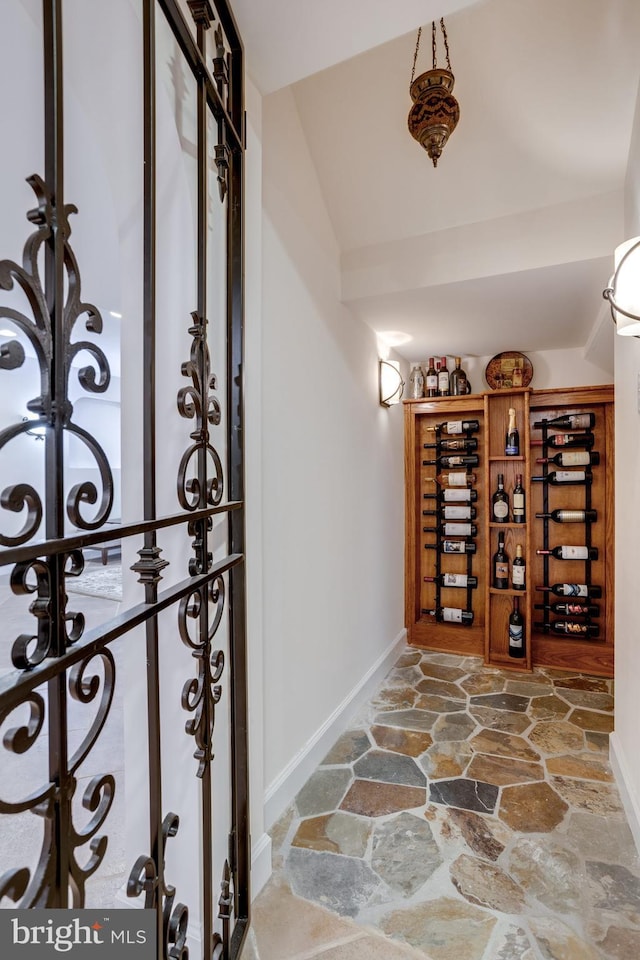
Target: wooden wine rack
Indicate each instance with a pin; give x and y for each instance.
(488, 635)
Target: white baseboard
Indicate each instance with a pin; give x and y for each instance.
(630, 802)
(281, 792)
(260, 864)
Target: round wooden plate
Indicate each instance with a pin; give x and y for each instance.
(509, 369)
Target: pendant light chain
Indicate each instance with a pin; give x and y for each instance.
(433, 47)
(446, 43)
(415, 55)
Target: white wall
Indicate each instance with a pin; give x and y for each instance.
(332, 481)
(624, 742)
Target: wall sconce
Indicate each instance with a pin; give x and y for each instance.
(391, 382)
(623, 292)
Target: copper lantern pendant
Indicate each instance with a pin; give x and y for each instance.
(435, 111)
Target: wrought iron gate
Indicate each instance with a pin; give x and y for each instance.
(62, 666)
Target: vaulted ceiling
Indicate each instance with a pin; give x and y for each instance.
(508, 243)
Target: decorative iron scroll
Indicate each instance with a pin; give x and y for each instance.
(54, 801)
(201, 694)
(52, 407)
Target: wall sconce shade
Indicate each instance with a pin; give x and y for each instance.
(391, 382)
(623, 292)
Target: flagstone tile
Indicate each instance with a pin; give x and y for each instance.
(453, 726)
(411, 658)
(549, 872)
(441, 688)
(558, 737)
(602, 798)
(579, 766)
(502, 701)
(597, 742)
(503, 770)
(478, 683)
(511, 943)
(500, 719)
(615, 888)
(557, 941)
(440, 671)
(405, 853)
(486, 885)
(597, 684)
(412, 743)
(600, 838)
(439, 704)
(585, 698)
(348, 748)
(532, 808)
(588, 720)
(404, 675)
(408, 719)
(548, 708)
(323, 791)
(394, 698)
(372, 799)
(344, 884)
(503, 744)
(447, 759)
(389, 767)
(529, 688)
(336, 833)
(446, 929)
(481, 834)
(620, 943)
(464, 793)
(452, 659)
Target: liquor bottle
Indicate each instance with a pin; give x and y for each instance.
(458, 478)
(518, 570)
(570, 516)
(501, 566)
(458, 383)
(512, 437)
(516, 631)
(572, 628)
(453, 529)
(573, 590)
(452, 546)
(451, 615)
(453, 495)
(572, 459)
(454, 580)
(571, 609)
(432, 379)
(500, 503)
(519, 509)
(455, 443)
(566, 477)
(417, 382)
(456, 460)
(585, 440)
(443, 379)
(570, 421)
(570, 552)
(455, 427)
(452, 512)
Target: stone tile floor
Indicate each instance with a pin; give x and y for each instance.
(468, 813)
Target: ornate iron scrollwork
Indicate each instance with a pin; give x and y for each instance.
(53, 407)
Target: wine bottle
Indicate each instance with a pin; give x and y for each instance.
(451, 615)
(570, 421)
(572, 459)
(454, 580)
(416, 380)
(432, 379)
(452, 512)
(519, 510)
(453, 546)
(443, 379)
(567, 477)
(572, 628)
(460, 443)
(571, 609)
(457, 478)
(512, 437)
(453, 495)
(518, 570)
(570, 516)
(453, 529)
(585, 440)
(455, 460)
(500, 502)
(455, 427)
(570, 552)
(573, 590)
(458, 383)
(501, 566)
(516, 631)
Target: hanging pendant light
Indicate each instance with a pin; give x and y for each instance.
(435, 111)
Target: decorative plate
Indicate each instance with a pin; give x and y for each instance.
(509, 369)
